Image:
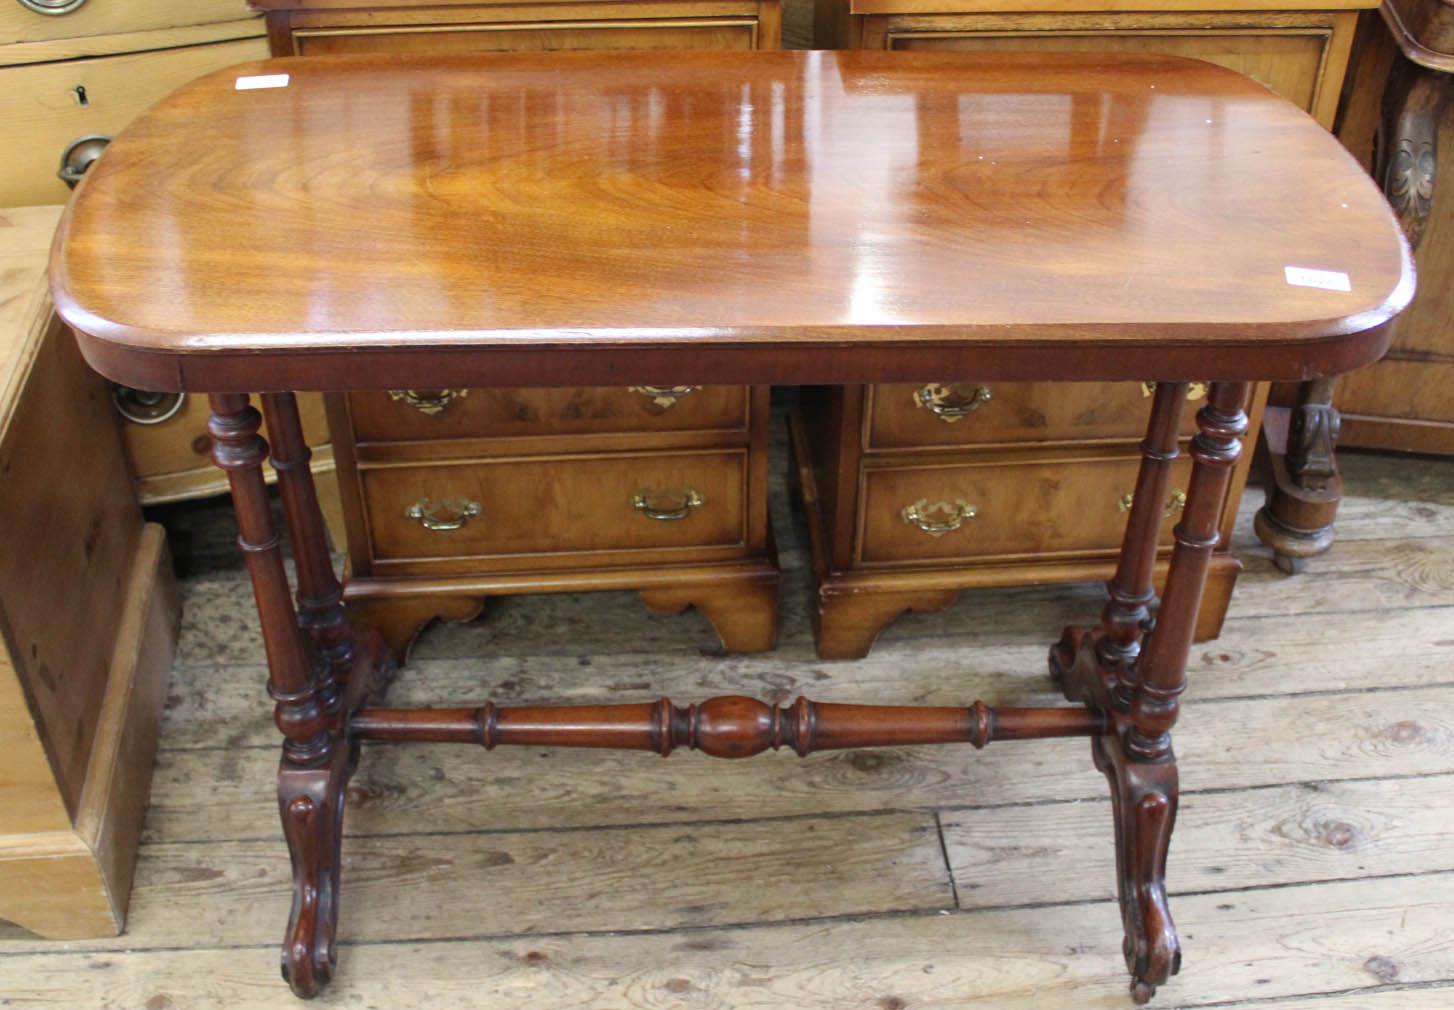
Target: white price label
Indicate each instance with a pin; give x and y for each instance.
(1307, 277)
(257, 81)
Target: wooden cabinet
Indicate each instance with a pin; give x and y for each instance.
(68, 83)
(915, 492)
(658, 489)
(88, 618)
(1399, 122)
(1037, 518)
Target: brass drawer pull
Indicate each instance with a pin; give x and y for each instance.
(445, 517)
(1174, 502)
(667, 505)
(951, 402)
(939, 518)
(140, 406)
(1194, 390)
(664, 397)
(51, 6)
(427, 401)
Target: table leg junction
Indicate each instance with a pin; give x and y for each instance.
(1126, 675)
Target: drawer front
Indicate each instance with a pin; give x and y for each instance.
(430, 414)
(909, 416)
(108, 17)
(1040, 507)
(1287, 52)
(556, 505)
(169, 447)
(43, 113)
(532, 36)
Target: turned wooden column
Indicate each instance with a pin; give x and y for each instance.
(320, 595)
(316, 757)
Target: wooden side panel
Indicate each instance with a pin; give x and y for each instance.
(63, 579)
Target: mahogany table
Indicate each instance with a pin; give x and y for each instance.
(589, 219)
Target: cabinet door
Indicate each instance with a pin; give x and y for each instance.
(47, 105)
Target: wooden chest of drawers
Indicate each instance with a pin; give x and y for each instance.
(915, 492)
(659, 489)
(1008, 457)
(67, 83)
(663, 491)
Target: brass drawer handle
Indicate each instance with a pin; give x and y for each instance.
(664, 397)
(140, 406)
(447, 516)
(80, 154)
(51, 6)
(1194, 390)
(427, 401)
(667, 505)
(951, 402)
(1174, 502)
(939, 518)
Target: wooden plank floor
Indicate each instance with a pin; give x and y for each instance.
(1312, 865)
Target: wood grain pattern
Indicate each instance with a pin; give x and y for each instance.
(652, 304)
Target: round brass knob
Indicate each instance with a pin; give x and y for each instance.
(78, 155)
(51, 6)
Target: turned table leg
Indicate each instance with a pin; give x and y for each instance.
(310, 710)
(320, 595)
(1135, 671)
(1101, 674)
(1139, 761)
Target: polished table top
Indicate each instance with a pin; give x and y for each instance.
(379, 221)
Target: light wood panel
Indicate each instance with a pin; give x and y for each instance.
(43, 113)
(106, 17)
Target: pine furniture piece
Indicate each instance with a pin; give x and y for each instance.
(618, 221)
(88, 618)
(959, 438)
(661, 489)
(74, 72)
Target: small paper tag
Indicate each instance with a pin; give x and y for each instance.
(257, 81)
(1307, 277)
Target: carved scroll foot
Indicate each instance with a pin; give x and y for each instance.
(742, 611)
(1143, 798)
(848, 623)
(311, 803)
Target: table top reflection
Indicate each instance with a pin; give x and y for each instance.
(657, 217)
